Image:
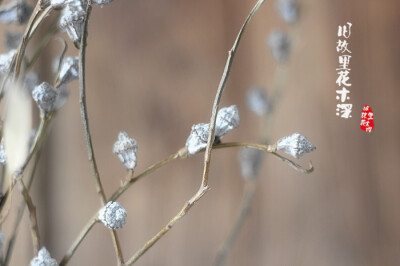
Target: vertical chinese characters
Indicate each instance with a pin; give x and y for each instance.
(343, 108)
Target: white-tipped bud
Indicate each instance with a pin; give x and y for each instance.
(31, 80)
(45, 96)
(288, 10)
(227, 119)
(72, 20)
(250, 161)
(15, 12)
(279, 44)
(197, 139)
(113, 215)
(3, 154)
(102, 2)
(5, 62)
(69, 70)
(295, 145)
(43, 259)
(257, 101)
(13, 38)
(125, 148)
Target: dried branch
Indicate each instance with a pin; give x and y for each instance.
(85, 121)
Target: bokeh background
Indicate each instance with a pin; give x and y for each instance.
(152, 70)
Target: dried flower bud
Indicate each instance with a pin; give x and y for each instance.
(227, 119)
(279, 44)
(198, 137)
(5, 62)
(45, 96)
(43, 259)
(15, 12)
(113, 215)
(288, 10)
(250, 162)
(72, 20)
(31, 80)
(102, 2)
(13, 38)
(69, 70)
(295, 145)
(3, 154)
(126, 147)
(257, 101)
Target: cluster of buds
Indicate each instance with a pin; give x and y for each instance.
(288, 10)
(227, 119)
(43, 259)
(113, 215)
(279, 44)
(296, 145)
(257, 101)
(15, 12)
(125, 148)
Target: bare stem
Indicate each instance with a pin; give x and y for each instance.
(245, 204)
(85, 121)
(32, 216)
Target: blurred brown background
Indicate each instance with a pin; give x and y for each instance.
(152, 70)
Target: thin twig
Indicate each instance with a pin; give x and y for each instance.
(245, 204)
(32, 216)
(211, 135)
(85, 121)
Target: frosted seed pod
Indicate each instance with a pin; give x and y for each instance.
(69, 70)
(5, 61)
(257, 101)
(198, 138)
(3, 154)
(102, 2)
(250, 161)
(45, 96)
(43, 259)
(72, 20)
(227, 119)
(15, 12)
(13, 38)
(295, 145)
(279, 44)
(288, 10)
(125, 148)
(113, 215)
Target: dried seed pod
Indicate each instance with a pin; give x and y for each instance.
(257, 101)
(3, 154)
(72, 20)
(227, 119)
(13, 38)
(15, 12)
(69, 70)
(295, 145)
(113, 215)
(43, 259)
(102, 2)
(250, 161)
(125, 148)
(279, 44)
(45, 96)
(288, 10)
(198, 137)
(5, 62)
